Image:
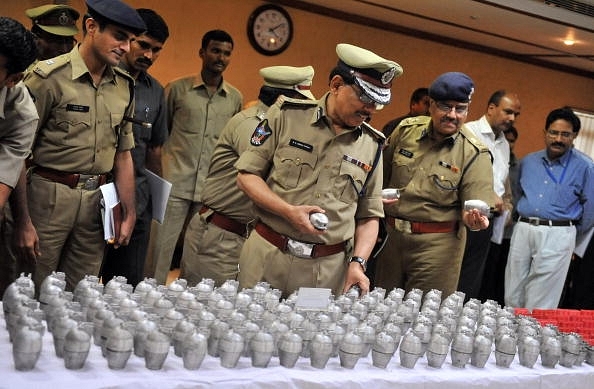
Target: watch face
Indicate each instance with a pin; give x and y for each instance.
(270, 29)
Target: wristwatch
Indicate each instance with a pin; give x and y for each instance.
(360, 261)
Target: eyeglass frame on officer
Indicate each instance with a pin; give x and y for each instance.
(459, 109)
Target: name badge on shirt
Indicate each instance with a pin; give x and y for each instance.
(261, 133)
(77, 108)
(406, 153)
(301, 145)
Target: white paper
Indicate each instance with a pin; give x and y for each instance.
(160, 189)
(110, 200)
(313, 298)
(582, 241)
(499, 227)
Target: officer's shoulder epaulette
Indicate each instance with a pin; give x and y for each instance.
(378, 135)
(473, 140)
(414, 121)
(45, 67)
(287, 103)
(123, 73)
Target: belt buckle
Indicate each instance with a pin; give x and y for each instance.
(299, 249)
(403, 226)
(91, 183)
(535, 221)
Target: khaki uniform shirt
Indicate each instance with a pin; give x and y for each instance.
(220, 188)
(18, 121)
(80, 125)
(303, 161)
(435, 178)
(195, 122)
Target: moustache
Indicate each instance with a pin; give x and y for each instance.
(144, 61)
(559, 144)
(448, 119)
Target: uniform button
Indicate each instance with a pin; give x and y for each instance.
(546, 182)
(540, 195)
(298, 161)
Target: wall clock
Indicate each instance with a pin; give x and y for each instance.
(270, 29)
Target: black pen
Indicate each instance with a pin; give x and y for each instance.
(445, 164)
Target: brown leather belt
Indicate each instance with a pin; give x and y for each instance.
(536, 221)
(422, 227)
(286, 244)
(72, 180)
(225, 222)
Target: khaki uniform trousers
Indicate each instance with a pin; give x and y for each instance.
(262, 261)
(424, 261)
(69, 227)
(164, 237)
(210, 252)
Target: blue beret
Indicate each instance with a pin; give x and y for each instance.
(454, 86)
(119, 13)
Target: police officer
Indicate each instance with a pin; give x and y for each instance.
(310, 157)
(150, 132)
(54, 27)
(18, 121)
(215, 236)
(437, 164)
(82, 99)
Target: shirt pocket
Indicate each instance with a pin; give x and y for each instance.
(441, 183)
(69, 127)
(350, 181)
(295, 166)
(142, 135)
(565, 196)
(401, 171)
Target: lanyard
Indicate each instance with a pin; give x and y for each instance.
(562, 173)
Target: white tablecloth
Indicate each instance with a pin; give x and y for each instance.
(50, 373)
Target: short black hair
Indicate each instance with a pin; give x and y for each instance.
(564, 113)
(17, 44)
(341, 71)
(496, 97)
(216, 35)
(418, 95)
(156, 26)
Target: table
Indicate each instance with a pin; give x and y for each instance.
(50, 371)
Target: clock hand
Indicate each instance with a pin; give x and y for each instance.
(276, 27)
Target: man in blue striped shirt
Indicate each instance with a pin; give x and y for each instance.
(556, 204)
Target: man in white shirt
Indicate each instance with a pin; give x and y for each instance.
(503, 108)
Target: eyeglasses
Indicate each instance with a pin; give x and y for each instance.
(555, 134)
(459, 109)
(362, 96)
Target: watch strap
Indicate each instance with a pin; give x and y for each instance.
(360, 261)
